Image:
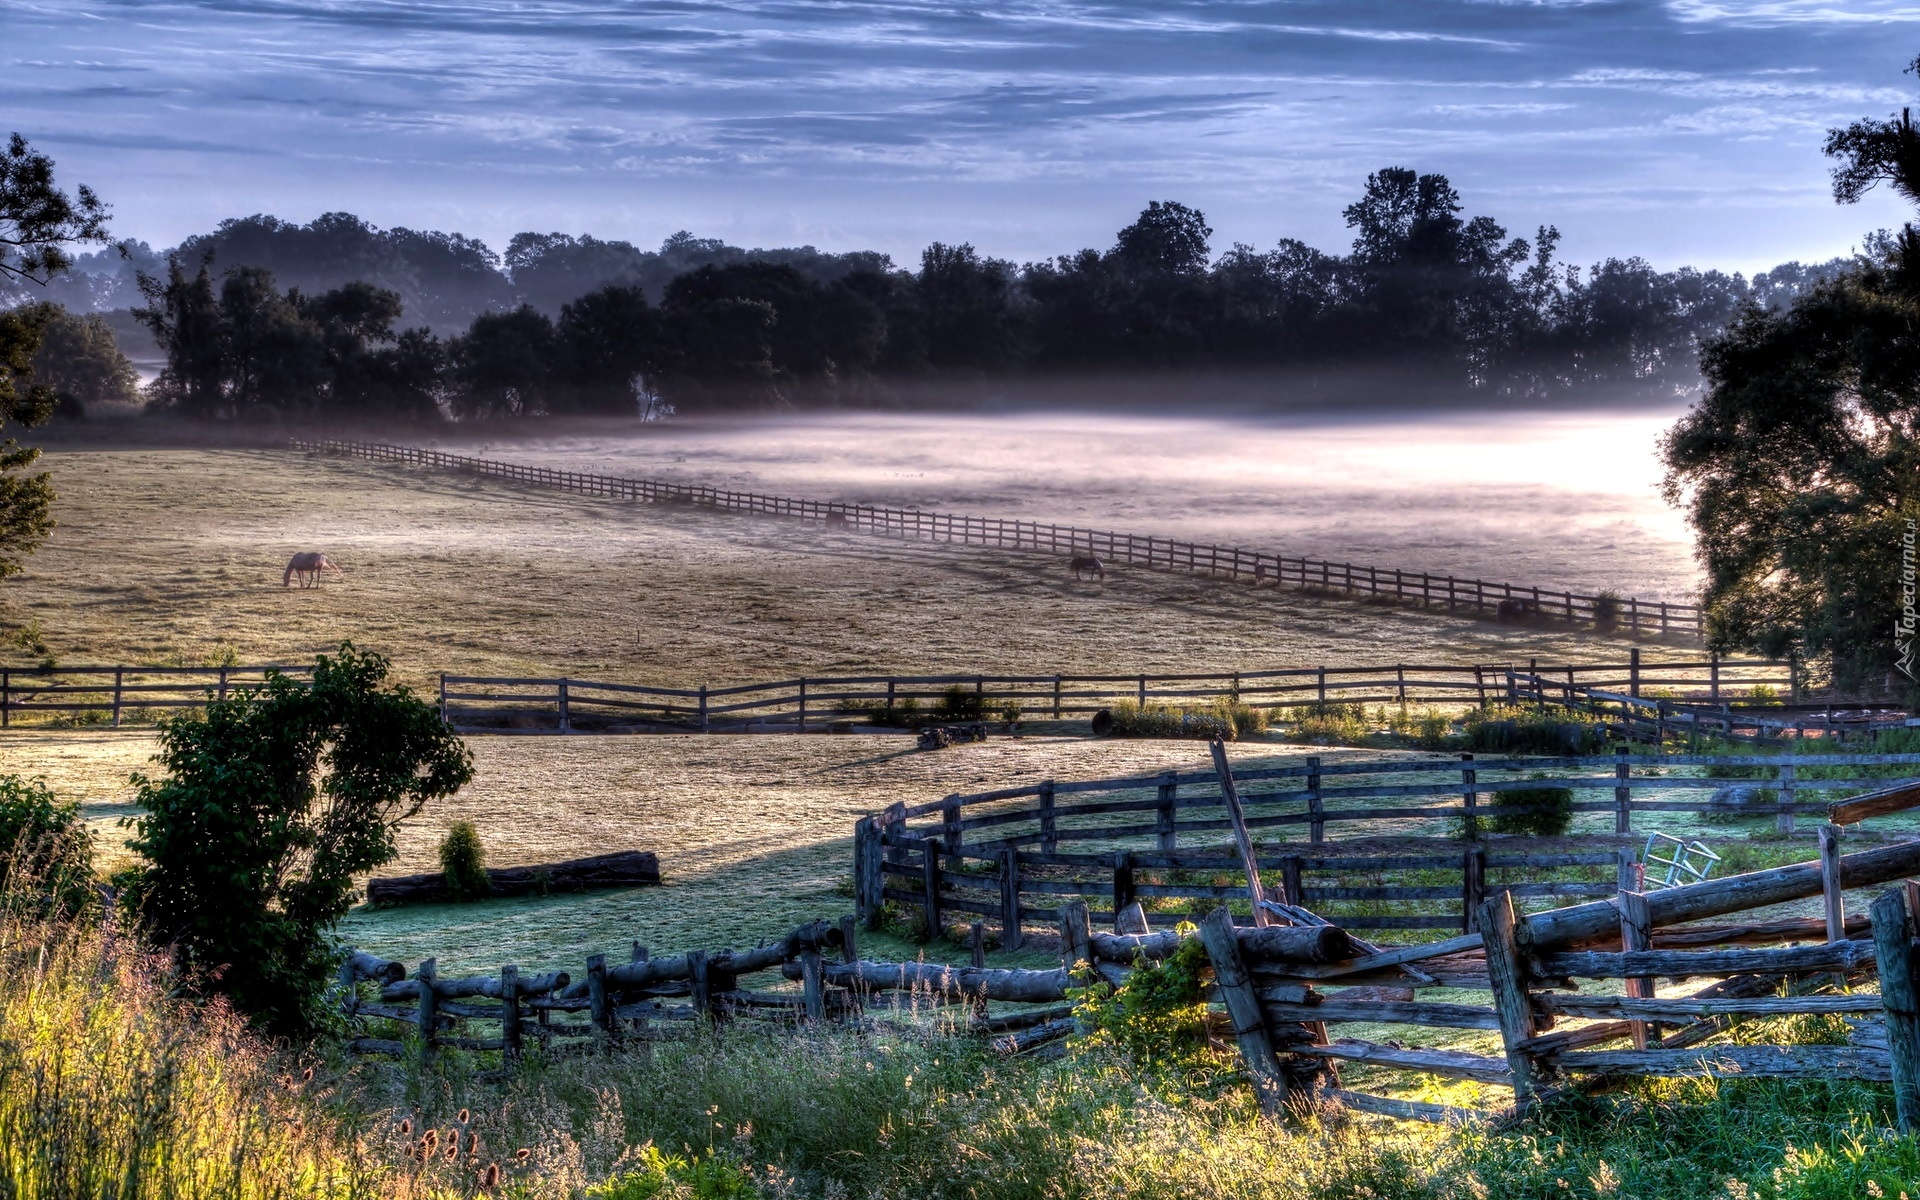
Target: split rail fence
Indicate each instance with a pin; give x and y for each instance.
(107, 695)
(1018, 854)
(825, 703)
(1659, 718)
(1656, 617)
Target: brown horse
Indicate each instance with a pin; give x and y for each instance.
(308, 566)
(1083, 565)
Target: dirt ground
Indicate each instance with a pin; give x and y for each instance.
(175, 556)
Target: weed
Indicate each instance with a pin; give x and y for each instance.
(463, 862)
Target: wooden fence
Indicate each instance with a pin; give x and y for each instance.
(1287, 978)
(821, 703)
(106, 695)
(1656, 617)
(1673, 716)
(1019, 853)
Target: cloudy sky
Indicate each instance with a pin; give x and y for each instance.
(1686, 131)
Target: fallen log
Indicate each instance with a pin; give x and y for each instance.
(372, 966)
(1038, 1035)
(622, 869)
(1274, 943)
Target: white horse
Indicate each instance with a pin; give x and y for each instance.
(308, 566)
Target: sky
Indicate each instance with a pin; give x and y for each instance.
(1683, 132)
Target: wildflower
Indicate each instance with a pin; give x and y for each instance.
(1604, 1181)
(1875, 1190)
(490, 1178)
(464, 1116)
(522, 1154)
(406, 1127)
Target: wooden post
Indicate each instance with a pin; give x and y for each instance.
(426, 1016)
(561, 697)
(803, 706)
(1900, 999)
(1473, 885)
(892, 684)
(1166, 833)
(510, 1040)
(118, 677)
(1622, 791)
(1470, 797)
(1231, 795)
(702, 992)
(600, 1004)
(443, 692)
(1048, 840)
(1235, 988)
(1713, 677)
(1076, 934)
(849, 948)
(950, 824)
(1122, 880)
(1636, 933)
(706, 723)
(1630, 877)
(1785, 821)
(1142, 695)
(1633, 672)
(1056, 697)
(930, 884)
(813, 995)
(1400, 679)
(1507, 972)
(1010, 935)
(868, 859)
(1292, 888)
(1316, 807)
(977, 943)
(1321, 691)
(1836, 904)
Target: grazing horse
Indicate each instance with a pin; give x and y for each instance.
(308, 566)
(1083, 565)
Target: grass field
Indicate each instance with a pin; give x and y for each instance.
(173, 555)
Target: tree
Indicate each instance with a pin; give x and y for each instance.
(1797, 467)
(504, 366)
(80, 360)
(1168, 238)
(274, 801)
(610, 346)
(38, 222)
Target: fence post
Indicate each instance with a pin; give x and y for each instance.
(1076, 934)
(118, 677)
(1473, 886)
(1048, 840)
(1292, 889)
(813, 994)
(803, 706)
(1122, 881)
(849, 948)
(1900, 999)
(1470, 796)
(1316, 807)
(1142, 695)
(1235, 987)
(443, 693)
(426, 1016)
(1400, 678)
(1056, 697)
(1785, 820)
(1836, 904)
(600, 1004)
(1507, 973)
(870, 880)
(1230, 797)
(6, 696)
(1010, 936)
(1713, 677)
(565, 718)
(1627, 870)
(930, 884)
(1622, 791)
(1633, 672)
(1166, 834)
(1322, 690)
(950, 824)
(890, 690)
(700, 982)
(510, 1040)
(706, 723)
(1636, 933)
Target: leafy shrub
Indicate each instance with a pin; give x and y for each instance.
(678, 1177)
(463, 861)
(1528, 731)
(1606, 611)
(1549, 811)
(1158, 1015)
(1223, 719)
(905, 714)
(274, 800)
(1332, 723)
(45, 849)
(960, 703)
(1760, 694)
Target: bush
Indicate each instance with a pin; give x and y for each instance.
(904, 715)
(678, 1177)
(274, 800)
(1549, 811)
(960, 703)
(1530, 731)
(463, 861)
(45, 849)
(1606, 611)
(1223, 719)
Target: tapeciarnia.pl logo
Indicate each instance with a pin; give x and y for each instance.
(1905, 624)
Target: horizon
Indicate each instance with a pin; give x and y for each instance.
(1685, 134)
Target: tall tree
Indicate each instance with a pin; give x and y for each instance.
(79, 359)
(38, 224)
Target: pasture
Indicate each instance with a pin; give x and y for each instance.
(176, 556)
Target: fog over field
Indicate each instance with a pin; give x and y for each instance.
(1563, 500)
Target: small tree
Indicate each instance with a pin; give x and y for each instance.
(273, 801)
(463, 861)
(45, 849)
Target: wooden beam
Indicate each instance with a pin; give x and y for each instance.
(1900, 997)
(1248, 862)
(1235, 988)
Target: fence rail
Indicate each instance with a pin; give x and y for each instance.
(1656, 617)
(819, 703)
(1670, 715)
(105, 695)
(1020, 853)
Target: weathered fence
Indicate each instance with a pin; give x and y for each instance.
(107, 695)
(819, 704)
(1018, 853)
(1657, 617)
(1669, 714)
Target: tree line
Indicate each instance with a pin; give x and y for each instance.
(339, 319)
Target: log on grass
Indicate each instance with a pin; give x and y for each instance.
(622, 869)
(372, 966)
